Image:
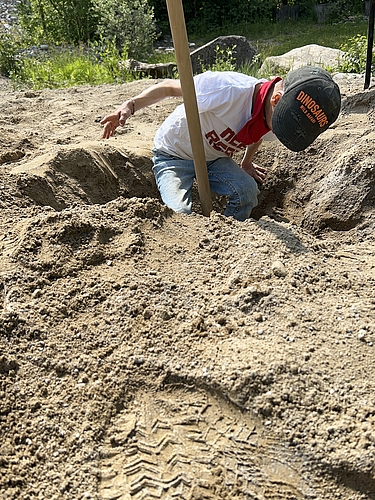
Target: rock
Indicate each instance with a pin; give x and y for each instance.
(7, 364)
(205, 56)
(279, 269)
(343, 194)
(159, 70)
(362, 334)
(314, 55)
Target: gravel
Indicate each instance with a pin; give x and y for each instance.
(8, 12)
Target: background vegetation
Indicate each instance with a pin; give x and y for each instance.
(205, 16)
(70, 42)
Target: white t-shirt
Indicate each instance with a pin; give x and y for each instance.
(224, 102)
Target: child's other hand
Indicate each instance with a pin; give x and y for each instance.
(259, 173)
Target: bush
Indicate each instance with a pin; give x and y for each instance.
(131, 22)
(225, 13)
(11, 42)
(204, 17)
(224, 60)
(355, 55)
(58, 21)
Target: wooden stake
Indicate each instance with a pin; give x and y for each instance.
(181, 47)
(370, 43)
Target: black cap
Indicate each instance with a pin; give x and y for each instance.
(310, 104)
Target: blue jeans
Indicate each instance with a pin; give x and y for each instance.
(175, 177)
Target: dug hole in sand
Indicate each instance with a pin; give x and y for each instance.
(147, 354)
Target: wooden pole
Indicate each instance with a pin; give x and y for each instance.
(370, 43)
(181, 47)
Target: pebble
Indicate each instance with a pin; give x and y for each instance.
(279, 269)
(361, 334)
(258, 317)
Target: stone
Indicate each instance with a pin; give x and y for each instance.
(309, 55)
(205, 56)
(159, 70)
(279, 269)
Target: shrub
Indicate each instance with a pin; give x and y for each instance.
(11, 42)
(355, 55)
(206, 16)
(203, 17)
(131, 22)
(58, 21)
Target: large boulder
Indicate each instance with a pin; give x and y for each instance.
(313, 55)
(205, 56)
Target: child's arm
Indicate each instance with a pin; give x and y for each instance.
(152, 95)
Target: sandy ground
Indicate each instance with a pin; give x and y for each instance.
(146, 354)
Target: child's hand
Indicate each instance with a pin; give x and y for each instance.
(110, 122)
(259, 173)
(118, 118)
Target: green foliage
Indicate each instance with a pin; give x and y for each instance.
(101, 61)
(11, 42)
(253, 69)
(160, 56)
(65, 68)
(224, 61)
(58, 21)
(131, 22)
(355, 55)
(62, 22)
(343, 9)
(224, 13)
(205, 17)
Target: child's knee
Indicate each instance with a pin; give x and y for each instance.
(243, 201)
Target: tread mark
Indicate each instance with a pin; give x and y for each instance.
(188, 444)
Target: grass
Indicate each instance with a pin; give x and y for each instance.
(62, 70)
(59, 68)
(280, 38)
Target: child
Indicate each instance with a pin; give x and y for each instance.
(237, 112)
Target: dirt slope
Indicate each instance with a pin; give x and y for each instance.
(146, 354)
